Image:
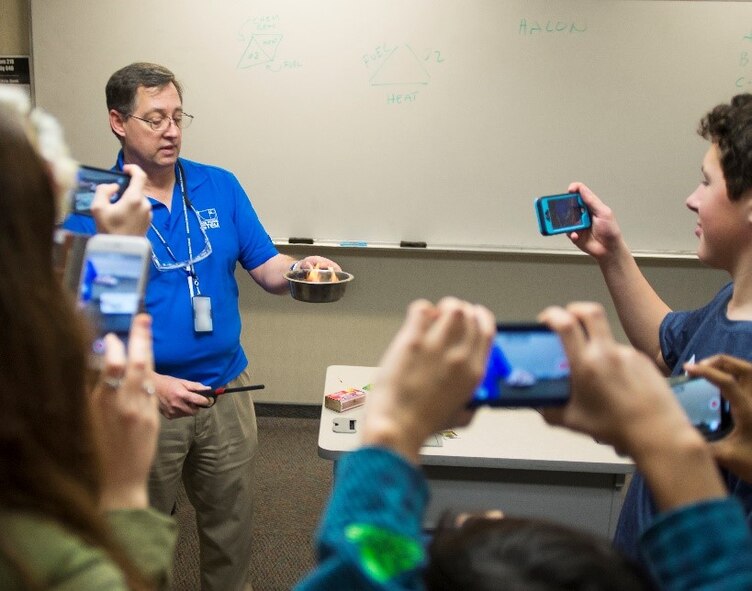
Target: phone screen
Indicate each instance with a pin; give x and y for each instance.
(562, 213)
(527, 366)
(88, 179)
(703, 403)
(110, 291)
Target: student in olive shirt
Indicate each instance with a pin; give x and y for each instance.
(75, 447)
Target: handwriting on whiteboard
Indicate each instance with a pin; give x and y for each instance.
(401, 68)
(531, 27)
(261, 42)
(744, 80)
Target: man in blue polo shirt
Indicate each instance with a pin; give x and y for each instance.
(203, 225)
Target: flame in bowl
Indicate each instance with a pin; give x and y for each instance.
(317, 275)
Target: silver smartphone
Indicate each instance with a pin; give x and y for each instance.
(709, 412)
(113, 282)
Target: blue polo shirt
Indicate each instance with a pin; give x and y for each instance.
(236, 236)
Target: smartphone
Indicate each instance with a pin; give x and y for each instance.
(709, 412)
(558, 214)
(88, 179)
(112, 284)
(527, 366)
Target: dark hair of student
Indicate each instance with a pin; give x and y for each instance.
(513, 554)
(48, 458)
(123, 85)
(730, 127)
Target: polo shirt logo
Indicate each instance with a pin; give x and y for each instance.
(208, 218)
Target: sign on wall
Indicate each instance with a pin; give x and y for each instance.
(14, 69)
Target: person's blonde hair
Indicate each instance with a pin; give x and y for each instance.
(46, 136)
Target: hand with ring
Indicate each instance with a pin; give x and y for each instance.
(126, 417)
(113, 382)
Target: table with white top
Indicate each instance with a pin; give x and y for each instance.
(508, 459)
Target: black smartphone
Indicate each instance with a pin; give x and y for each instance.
(113, 281)
(558, 214)
(709, 412)
(88, 179)
(527, 366)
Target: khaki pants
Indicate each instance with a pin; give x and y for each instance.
(214, 453)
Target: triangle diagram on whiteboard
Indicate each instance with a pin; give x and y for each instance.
(401, 66)
(261, 50)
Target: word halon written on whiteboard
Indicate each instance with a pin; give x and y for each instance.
(532, 27)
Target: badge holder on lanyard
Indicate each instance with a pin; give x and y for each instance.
(202, 310)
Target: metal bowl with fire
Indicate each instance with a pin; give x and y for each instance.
(317, 285)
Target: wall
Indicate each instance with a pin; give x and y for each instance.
(14, 27)
(291, 343)
(502, 102)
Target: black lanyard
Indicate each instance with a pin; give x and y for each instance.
(193, 284)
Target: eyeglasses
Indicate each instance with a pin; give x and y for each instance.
(182, 121)
(182, 264)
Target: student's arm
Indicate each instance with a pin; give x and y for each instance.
(620, 398)
(125, 418)
(370, 535)
(699, 541)
(639, 307)
(428, 375)
(706, 546)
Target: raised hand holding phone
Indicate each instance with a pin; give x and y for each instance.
(603, 238)
(125, 417)
(615, 388)
(427, 375)
(619, 397)
(129, 214)
(91, 177)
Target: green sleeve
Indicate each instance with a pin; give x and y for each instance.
(61, 561)
(149, 538)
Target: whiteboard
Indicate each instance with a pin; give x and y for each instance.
(421, 120)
